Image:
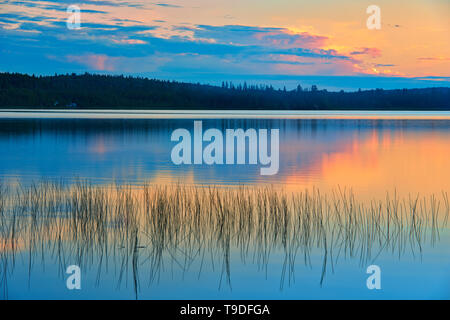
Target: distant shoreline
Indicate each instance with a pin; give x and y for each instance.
(103, 92)
(219, 114)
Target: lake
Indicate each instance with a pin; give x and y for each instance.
(99, 189)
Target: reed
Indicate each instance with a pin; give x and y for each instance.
(160, 226)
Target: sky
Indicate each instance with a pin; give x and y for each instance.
(281, 42)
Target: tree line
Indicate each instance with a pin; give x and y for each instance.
(92, 91)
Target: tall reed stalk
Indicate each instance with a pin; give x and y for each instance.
(124, 227)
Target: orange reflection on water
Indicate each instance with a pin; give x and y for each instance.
(413, 162)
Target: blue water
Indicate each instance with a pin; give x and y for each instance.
(137, 151)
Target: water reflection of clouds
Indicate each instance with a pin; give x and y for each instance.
(366, 154)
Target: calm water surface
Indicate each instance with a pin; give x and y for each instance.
(372, 156)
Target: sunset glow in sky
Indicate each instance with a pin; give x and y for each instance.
(212, 40)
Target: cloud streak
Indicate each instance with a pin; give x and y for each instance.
(138, 37)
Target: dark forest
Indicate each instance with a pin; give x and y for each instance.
(90, 91)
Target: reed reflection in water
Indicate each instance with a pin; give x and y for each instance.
(140, 233)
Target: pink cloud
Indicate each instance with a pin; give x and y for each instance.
(95, 61)
(129, 41)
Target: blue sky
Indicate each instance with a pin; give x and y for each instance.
(279, 42)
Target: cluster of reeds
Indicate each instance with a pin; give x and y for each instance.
(121, 227)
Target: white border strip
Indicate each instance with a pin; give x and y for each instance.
(219, 114)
